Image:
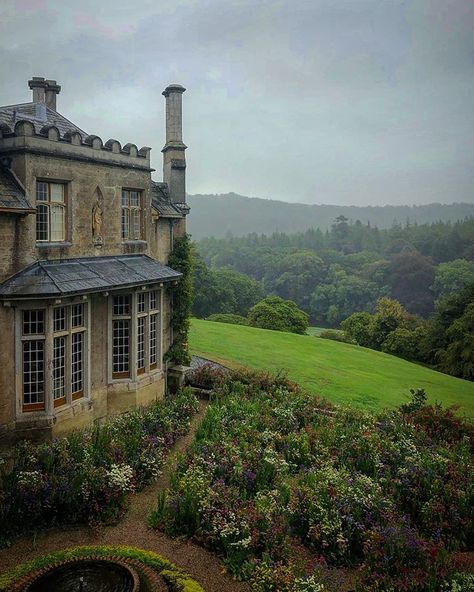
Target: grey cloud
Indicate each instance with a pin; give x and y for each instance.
(335, 101)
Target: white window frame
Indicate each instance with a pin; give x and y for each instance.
(51, 405)
(49, 205)
(135, 374)
(128, 212)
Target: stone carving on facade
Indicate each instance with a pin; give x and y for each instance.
(97, 216)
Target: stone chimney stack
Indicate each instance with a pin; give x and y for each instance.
(174, 160)
(44, 91)
(52, 89)
(38, 86)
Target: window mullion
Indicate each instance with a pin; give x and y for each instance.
(48, 361)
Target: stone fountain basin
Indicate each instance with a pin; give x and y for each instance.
(98, 575)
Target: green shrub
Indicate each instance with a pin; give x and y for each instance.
(280, 315)
(232, 319)
(402, 343)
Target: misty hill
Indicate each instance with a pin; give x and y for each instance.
(219, 215)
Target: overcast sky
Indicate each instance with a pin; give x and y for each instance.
(317, 101)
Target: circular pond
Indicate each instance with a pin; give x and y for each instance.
(86, 575)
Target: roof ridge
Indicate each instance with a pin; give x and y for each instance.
(133, 270)
(40, 264)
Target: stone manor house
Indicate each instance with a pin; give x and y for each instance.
(85, 236)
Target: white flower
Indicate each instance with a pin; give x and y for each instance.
(121, 476)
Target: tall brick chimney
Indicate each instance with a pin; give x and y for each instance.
(44, 91)
(174, 160)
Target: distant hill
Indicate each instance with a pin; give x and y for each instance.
(219, 215)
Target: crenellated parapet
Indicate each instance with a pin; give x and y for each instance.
(26, 134)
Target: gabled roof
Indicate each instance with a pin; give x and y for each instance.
(161, 201)
(40, 116)
(12, 195)
(55, 278)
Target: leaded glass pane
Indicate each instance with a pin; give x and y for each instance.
(41, 191)
(77, 363)
(77, 315)
(59, 319)
(56, 192)
(57, 223)
(141, 302)
(33, 372)
(121, 305)
(59, 367)
(33, 322)
(121, 346)
(42, 223)
(141, 343)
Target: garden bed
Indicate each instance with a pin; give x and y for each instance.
(88, 476)
(290, 489)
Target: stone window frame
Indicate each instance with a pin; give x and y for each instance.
(50, 405)
(130, 211)
(135, 374)
(48, 205)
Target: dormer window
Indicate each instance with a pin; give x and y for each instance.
(132, 206)
(50, 212)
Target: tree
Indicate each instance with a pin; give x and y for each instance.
(223, 291)
(280, 315)
(389, 316)
(402, 343)
(411, 276)
(210, 296)
(345, 294)
(458, 357)
(452, 277)
(359, 328)
(245, 291)
(300, 272)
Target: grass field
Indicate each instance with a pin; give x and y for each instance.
(343, 373)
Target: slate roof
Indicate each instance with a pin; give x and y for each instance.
(46, 279)
(12, 196)
(40, 115)
(160, 200)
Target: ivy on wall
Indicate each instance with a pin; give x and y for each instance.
(182, 295)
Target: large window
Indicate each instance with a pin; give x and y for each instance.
(136, 333)
(132, 207)
(53, 345)
(50, 211)
(33, 359)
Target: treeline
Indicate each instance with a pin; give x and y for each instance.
(237, 215)
(333, 274)
(445, 341)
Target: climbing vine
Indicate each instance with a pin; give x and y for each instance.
(182, 295)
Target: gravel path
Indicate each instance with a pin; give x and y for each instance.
(132, 530)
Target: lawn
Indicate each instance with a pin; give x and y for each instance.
(315, 331)
(343, 373)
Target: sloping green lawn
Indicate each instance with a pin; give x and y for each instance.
(340, 372)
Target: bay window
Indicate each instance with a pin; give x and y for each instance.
(53, 346)
(135, 333)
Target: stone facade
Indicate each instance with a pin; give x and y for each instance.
(77, 347)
